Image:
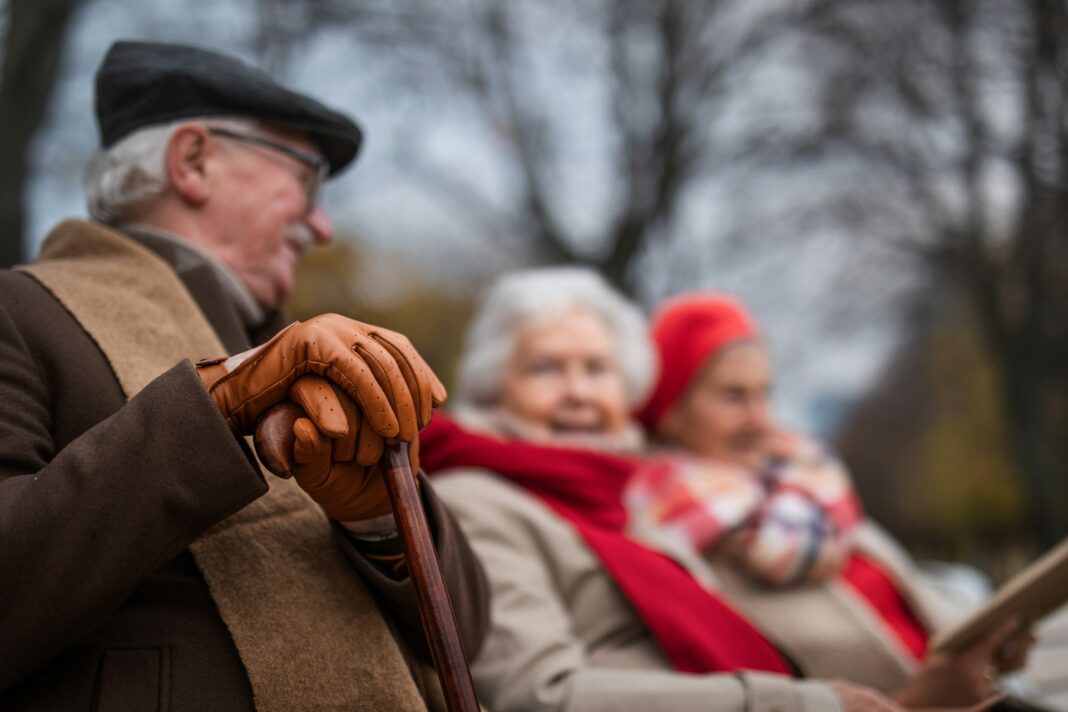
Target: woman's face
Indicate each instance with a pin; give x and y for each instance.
(564, 377)
(725, 413)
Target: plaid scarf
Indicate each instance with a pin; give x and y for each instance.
(789, 523)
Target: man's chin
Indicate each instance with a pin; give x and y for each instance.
(270, 300)
(280, 291)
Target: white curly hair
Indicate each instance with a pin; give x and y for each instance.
(542, 295)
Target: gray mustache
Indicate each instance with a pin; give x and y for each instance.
(301, 235)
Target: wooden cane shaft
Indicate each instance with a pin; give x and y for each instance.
(435, 608)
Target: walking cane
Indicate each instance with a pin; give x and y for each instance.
(274, 443)
(435, 608)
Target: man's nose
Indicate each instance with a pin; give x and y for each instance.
(320, 225)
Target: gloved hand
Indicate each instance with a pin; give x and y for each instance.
(380, 369)
(341, 474)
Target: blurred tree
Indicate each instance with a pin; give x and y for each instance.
(929, 449)
(650, 76)
(34, 34)
(955, 118)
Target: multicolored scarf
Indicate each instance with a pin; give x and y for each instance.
(791, 522)
(698, 632)
(788, 524)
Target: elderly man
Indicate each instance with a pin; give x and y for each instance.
(147, 563)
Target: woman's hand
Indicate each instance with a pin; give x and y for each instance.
(967, 678)
(855, 698)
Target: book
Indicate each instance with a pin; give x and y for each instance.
(1032, 594)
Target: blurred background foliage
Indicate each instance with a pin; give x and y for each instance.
(884, 181)
(344, 279)
(929, 449)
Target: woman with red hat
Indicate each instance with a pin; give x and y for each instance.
(781, 506)
(775, 516)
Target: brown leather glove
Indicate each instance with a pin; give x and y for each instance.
(341, 474)
(380, 369)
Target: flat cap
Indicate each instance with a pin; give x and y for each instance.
(143, 84)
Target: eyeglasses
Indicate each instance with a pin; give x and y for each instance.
(319, 166)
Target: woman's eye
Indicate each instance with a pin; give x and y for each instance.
(538, 368)
(734, 395)
(597, 368)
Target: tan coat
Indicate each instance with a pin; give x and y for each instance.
(562, 637)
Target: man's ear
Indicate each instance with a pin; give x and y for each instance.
(186, 159)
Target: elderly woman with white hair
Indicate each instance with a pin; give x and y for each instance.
(533, 463)
(549, 355)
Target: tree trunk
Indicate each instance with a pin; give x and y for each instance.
(36, 30)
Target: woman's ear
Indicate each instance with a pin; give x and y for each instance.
(185, 163)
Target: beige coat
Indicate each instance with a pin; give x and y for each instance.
(562, 637)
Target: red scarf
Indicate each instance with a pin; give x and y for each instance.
(697, 631)
(866, 578)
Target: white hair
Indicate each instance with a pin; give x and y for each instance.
(126, 176)
(545, 294)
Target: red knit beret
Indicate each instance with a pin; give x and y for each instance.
(688, 330)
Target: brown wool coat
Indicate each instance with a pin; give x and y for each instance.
(102, 605)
